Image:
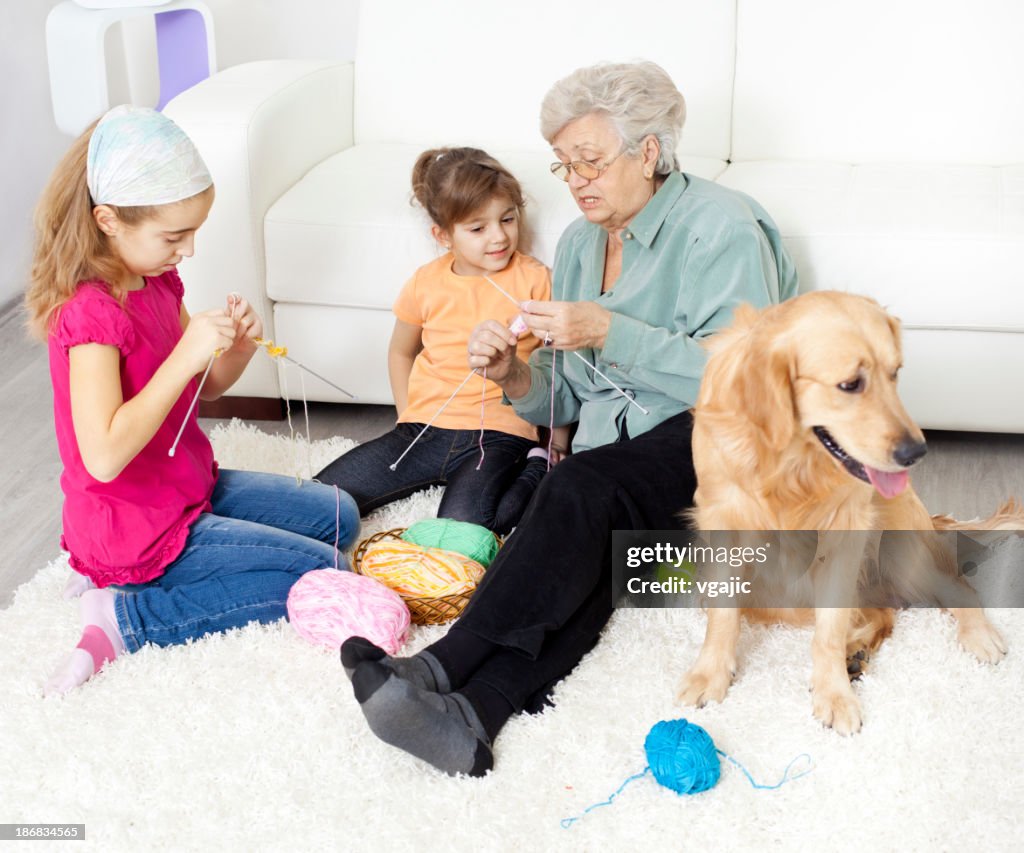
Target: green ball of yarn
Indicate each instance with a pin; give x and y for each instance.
(462, 537)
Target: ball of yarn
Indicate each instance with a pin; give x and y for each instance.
(682, 756)
(327, 606)
(470, 540)
(417, 572)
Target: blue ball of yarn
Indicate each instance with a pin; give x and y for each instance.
(682, 756)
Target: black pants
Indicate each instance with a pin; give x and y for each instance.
(493, 495)
(548, 594)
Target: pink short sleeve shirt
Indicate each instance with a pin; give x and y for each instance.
(130, 529)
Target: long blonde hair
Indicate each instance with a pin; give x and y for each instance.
(69, 245)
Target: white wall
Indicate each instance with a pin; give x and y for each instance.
(31, 145)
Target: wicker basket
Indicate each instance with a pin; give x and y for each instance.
(425, 611)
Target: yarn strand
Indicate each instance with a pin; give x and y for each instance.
(483, 401)
(288, 414)
(305, 409)
(569, 821)
(785, 776)
(337, 524)
(551, 417)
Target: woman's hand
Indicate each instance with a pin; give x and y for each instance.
(568, 325)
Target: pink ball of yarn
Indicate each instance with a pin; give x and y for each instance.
(327, 606)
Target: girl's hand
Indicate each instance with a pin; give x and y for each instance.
(568, 325)
(493, 347)
(205, 334)
(248, 325)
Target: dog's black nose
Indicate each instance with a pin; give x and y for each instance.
(909, 451)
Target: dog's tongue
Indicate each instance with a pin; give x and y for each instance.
(886, 484)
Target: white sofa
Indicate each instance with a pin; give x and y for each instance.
(885, 137)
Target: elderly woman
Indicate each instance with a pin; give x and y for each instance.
(656, 263)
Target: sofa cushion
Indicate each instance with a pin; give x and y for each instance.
(346, 234)
(348, 346)
(962, 379)
(875, 81)
(940, 246)
(475, 73)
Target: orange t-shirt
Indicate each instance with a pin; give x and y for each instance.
(448, 306)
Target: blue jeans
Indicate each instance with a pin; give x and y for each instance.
(494, 496)
(240, 560)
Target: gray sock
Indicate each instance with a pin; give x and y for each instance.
(441, 729)
(422, 670)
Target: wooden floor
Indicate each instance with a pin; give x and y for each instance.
(964, 474)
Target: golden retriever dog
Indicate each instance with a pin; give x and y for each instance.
(799, 426)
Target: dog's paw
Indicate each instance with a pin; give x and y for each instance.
(857, 664)
(839, 710)
(982, 640)
(700, 686)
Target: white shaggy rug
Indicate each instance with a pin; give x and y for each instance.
(252, 740)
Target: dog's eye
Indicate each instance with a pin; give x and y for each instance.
(852, 387)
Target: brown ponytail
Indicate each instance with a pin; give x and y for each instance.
(451, 184)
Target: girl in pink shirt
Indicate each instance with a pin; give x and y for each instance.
(174, 548)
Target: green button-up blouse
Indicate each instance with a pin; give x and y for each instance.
(693, 253)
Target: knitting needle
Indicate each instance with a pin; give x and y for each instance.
(288, 358)
(233, 300)
(610, 382)
(518, 326)
(575, 353)
(192, 405)
(503, 292)
(267, 344)
(394, 465)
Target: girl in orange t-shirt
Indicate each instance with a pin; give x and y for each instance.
(475, 205)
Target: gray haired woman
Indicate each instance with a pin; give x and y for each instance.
(656, 263)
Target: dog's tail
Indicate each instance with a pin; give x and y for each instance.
(1009, 516)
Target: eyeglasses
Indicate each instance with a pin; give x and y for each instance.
(586, 170)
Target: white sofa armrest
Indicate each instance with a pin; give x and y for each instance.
(260, 127)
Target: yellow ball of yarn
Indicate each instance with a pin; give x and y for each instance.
(417, 572)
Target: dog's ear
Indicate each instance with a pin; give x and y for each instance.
(767, 386)
(744, 318)
(896, 328)
(746, 391)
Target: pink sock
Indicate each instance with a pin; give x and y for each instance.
(100, 642)
(76, 585)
